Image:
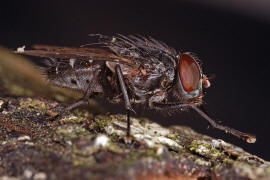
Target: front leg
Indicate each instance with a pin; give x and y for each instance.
(125, 95)
(201, 110)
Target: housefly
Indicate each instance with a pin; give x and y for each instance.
(132, 70)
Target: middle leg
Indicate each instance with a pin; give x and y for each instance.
(123, 87)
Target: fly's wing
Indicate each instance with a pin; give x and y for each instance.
(74, 67)
(58, 52)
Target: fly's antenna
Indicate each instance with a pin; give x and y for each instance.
(244, 136)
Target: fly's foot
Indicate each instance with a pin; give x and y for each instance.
(54, 111)
(55, 114)
(128, 140)
(132, 143)
(53, 119)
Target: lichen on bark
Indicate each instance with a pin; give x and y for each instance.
(90, 144)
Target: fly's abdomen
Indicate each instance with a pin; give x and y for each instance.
(74, 73)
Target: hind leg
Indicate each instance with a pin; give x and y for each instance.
(80, 102)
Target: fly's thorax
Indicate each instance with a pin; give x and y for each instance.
(144, 80)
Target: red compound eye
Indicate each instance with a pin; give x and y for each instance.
(189, 72)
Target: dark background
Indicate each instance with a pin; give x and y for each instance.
(232, 43)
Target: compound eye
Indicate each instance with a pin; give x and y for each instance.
(189, 72)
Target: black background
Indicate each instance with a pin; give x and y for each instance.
(233, 47)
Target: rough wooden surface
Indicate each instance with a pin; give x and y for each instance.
(89, 144)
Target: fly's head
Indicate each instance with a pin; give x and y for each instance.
(190, 79)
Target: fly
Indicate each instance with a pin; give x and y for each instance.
(132, 70)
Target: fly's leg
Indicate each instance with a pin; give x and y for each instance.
(125, 95)
(244, 136)
(82, 101)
